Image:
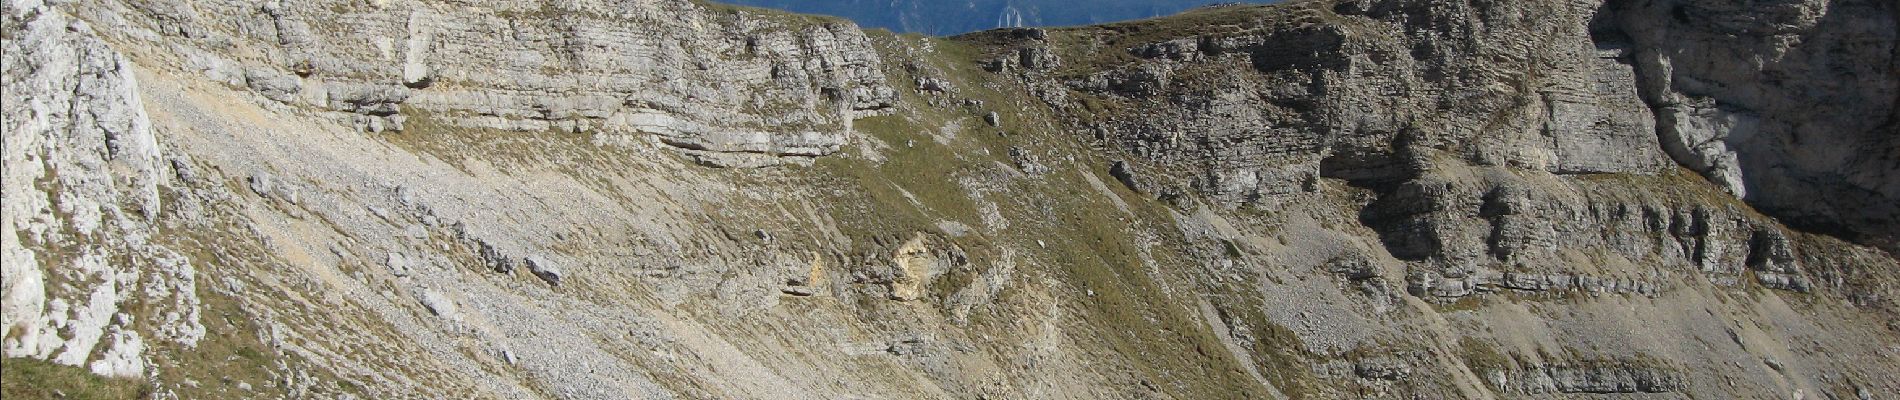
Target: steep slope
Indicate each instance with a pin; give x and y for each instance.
(669, 199)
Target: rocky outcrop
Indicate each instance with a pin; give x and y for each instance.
(913, 264)
(1752, 97)
(749, 90)
(1325, 99)
(1431, 284)
(1596, 377)
(1480, 142)
(1581, 90)
(83, 171)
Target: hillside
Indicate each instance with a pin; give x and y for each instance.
(676, 199)
(939, 18)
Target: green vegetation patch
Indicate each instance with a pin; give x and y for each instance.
(27, 378)
(1481, 357)
(1068, 228)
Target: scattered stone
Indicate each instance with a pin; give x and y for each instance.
(1382, 369)
(908, 346)
(416, 231)
(262, 184)
(953, 228)
(394, 123)
(1177, 49)
(379, 212)
(1125, 173)
(544, 269)
(268, 186)
(367, 99)
(931, 84)
(495, 258)
(277, 86)
(1027, 33)
(397, 263)
(439, 304)
(1352, 268)
(910, 273)
(1038, 58)
(185, 172)
(416, 74)
(1027, 162)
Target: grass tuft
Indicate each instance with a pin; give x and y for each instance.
(27, 378)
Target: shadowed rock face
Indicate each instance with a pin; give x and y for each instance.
(1386, 92)
(1744, 95)
(671, 199)
(1788, 104)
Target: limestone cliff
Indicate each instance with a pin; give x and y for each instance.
(674, 199)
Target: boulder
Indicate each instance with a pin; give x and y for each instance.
(544, 269)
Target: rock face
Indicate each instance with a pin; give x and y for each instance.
(1740, 95)
(1592, 379)
(726, 88)
(1752, 97)
(1318, 199)
(82, 169)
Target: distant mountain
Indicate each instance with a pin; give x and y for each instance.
(941, 17)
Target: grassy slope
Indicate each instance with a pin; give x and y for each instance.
(26, 378)
(1072, 233)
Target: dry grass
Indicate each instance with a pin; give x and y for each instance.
(26, 378)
